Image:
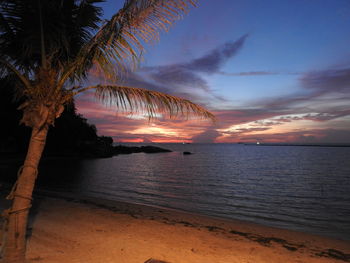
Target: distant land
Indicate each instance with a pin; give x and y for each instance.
(299, 144)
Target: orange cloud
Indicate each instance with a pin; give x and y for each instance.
(248, 125)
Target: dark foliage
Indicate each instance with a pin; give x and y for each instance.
(13, 137)
(120, 149)
(71, 134)
(20, 23)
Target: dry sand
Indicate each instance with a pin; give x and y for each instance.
(99, 232)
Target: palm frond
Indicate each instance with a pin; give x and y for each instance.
(4, 25)
(119, 42)
(6, 68)
(150, 102)
(66, 27)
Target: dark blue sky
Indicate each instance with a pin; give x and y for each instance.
(272, 70)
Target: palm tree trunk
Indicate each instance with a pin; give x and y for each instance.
(15, 245)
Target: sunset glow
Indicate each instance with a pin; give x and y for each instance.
(266, 76)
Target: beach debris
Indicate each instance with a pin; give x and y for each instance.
(151, 260)
(266, 241)
(38, 258)
(186, 153)
(336, 254)
(187, 224)
(214, 228)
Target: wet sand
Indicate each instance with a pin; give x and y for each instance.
(72, 230)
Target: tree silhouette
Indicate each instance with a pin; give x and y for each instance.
(48, 48)
(71, 134)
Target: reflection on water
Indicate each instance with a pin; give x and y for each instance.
(302, 188)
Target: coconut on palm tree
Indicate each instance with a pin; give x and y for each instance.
(48, 47)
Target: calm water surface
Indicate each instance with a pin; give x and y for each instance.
(294, 187)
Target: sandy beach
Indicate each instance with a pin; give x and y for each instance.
(100, 232)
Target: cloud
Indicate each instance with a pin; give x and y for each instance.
(227, 118)
(256, 73)
(249, 73)
(208, 136)
(306, 136)
(332, 80)
(212, 62)
(336, 136)
(187, 78)
(139, 81)
(264, 123)
(317, 87)
(232, 125)
(248, 130)
(323, 97)
(180, 78)
(326, 116)
(147, 140)
(249, 125)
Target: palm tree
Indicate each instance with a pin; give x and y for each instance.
(48, 47)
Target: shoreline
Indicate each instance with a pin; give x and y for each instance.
(60, 219)
(110, 203)
(129, 206)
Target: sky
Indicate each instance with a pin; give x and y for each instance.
(271, 71)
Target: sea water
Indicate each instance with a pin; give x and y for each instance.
(294, 187)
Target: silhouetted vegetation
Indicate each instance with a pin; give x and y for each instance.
(71, 134)
(120, 149)
(48, 47)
